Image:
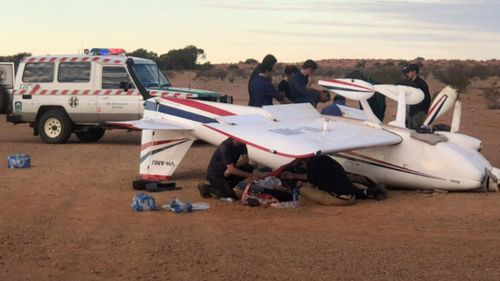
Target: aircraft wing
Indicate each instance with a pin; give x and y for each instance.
(150, 124)
(307, 137)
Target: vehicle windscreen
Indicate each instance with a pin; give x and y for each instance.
(150, 76)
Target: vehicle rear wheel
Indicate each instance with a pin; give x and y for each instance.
(4, 99)
(55, 126)
(92, 135)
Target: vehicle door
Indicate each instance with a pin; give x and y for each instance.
(118, 99)
(7, 81)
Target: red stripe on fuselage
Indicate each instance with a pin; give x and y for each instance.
(435, 106)
(153, 143)
(350, 84)
(201, 106)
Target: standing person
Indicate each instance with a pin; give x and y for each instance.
(284, 85)
(417, 112)
(377, 101)
(228, 166)
(301, 82)
(268, 62)
(334, 109)
(263, 91)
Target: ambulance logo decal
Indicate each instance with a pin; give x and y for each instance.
(18, 106)
(73, 101)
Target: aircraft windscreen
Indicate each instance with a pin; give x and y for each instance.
(150, 76)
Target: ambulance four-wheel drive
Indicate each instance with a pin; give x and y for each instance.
(60, 95)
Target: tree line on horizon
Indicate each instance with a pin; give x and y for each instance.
(456, 73)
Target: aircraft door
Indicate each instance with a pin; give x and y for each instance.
(118, 100)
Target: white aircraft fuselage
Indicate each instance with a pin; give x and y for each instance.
(453, 163)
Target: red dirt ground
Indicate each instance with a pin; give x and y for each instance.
(68, 217)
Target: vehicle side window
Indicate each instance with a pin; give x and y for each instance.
(112, 76)
(74, 72)
(38, 72)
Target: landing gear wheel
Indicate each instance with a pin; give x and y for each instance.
(92, 135)
(55, 126)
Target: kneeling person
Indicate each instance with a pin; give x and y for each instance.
(327, 183)
(228, 166)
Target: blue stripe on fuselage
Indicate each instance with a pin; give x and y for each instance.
(178, 113)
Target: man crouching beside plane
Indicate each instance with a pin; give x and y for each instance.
(229, 165)
(326, 183)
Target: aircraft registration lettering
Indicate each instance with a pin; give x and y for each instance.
(163, 163)
(310, 129)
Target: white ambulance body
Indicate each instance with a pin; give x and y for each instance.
(60, 95)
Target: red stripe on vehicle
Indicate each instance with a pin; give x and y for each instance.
(53, 92)
(96, 92)
(32, 59)
(74, 59)
(63, 59)
(95, 59)
(64, 92)
(35, 89)
(53, 59)
(201, 106)
(22, 92)
(117, 61)
(86, 92)
(105, 60)
(42, 59)
(85, 59)
(75, 92)
(43, 92)
(260, 147)
(107, 92)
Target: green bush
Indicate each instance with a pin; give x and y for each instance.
(455, 75)
(492, 96)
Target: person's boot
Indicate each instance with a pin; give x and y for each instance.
(203, 189)
(379, 192)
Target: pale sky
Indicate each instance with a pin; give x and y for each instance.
(232, 31)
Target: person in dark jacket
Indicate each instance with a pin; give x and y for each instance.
(268, 62)
(229, 165)
(284, 85)
(334, 109)
(417, 112)
(263, 91)
(301, 82)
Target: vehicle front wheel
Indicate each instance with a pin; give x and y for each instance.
(55, 126)
(92, 135)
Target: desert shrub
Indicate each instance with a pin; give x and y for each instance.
(251, 61)
(232, 66)
(386, 74)
(327, 72)
(205, 67)
(361, 64)
(181, 59)
(455, 75)
(214, 73)
(492, 96)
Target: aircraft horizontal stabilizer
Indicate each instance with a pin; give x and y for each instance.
(150, 124)
(301, 139)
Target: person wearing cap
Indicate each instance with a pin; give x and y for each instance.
(262, 89)
(417, 112)
(268, 62)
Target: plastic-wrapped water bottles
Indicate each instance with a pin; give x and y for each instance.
(285, 205)
(178, 206)
(269, 182)
(143, 202)
(227, 199)
(18, 161)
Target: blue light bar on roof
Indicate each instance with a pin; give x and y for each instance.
(106, 51)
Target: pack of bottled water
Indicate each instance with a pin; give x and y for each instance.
(16, 161)
(143, 202)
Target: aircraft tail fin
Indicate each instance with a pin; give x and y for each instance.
(161, 153)
(443, 102)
